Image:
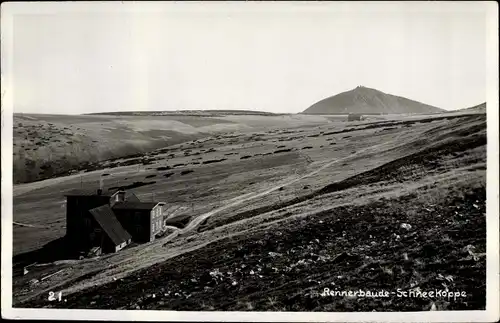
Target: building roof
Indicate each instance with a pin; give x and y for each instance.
(86, 192)
(134, 205)
(131, 197)
(108, 222)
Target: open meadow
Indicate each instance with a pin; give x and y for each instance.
(274, 209)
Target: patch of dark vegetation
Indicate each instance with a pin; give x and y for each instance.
(163, 168)
(214, 161)
(333, 143)
(105, 174)
(345, 137)
(307, 147)
(478, 167)
(168, 174)
(58, 249)
(245, 157)
(282, 146)
(129, 162)
(340, 131)
(179, 221)
(282, 151)
(179, 165)
(151, 176)
(187, 171)
(313, 136)
(146, 161)
(131, 186)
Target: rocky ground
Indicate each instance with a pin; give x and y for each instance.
(372, 247)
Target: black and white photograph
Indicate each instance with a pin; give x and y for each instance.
(256, 161)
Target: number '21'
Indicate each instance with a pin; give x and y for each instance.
(52, 296)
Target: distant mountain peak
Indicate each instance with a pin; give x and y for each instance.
(364, 100)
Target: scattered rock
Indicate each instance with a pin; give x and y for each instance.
(406, 226)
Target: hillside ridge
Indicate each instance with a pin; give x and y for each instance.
(364, 100)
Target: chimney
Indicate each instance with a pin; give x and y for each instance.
(101, 185)
(120, 196)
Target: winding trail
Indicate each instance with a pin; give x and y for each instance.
(30, 225)
(250, 196)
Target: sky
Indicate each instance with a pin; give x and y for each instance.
(279, 57)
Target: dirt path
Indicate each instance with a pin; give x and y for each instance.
(20, 189)
(29, 225)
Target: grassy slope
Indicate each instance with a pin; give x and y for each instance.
(345, 235)
(46, 146)
(45, 198)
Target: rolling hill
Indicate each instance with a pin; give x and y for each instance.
(47, 146)
(364, 100)
(480, 108)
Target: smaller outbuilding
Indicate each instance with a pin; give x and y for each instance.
(108, 232)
